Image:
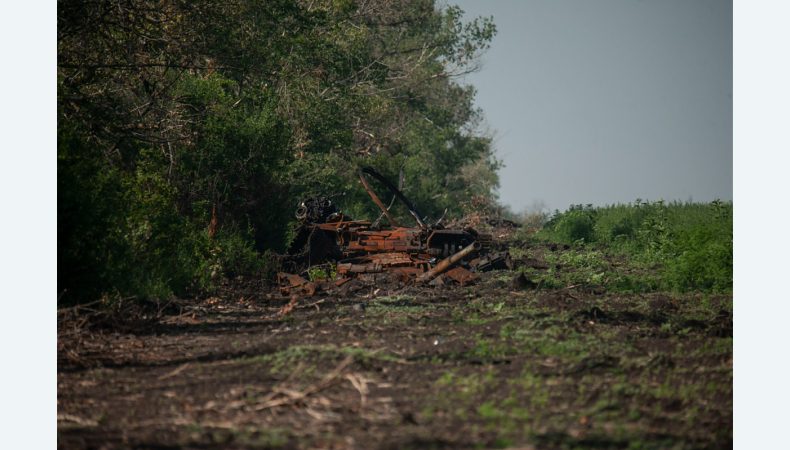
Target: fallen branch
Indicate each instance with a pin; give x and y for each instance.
(360, 383)
(77, 420)
(174, 372)
(288, 396)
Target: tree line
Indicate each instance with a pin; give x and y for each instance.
(189, 130)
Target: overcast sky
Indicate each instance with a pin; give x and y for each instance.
(606, 101)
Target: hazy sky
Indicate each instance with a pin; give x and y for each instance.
(605, 101)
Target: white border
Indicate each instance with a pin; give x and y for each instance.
(762, 222)
(28, 214)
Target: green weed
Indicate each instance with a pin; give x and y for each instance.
(689, 243)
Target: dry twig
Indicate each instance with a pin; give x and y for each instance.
(284, 396)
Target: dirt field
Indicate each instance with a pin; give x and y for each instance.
(504, 363)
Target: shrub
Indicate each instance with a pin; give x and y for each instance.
(620, 222)
(236, 255)
(690, 242)
(577, 224)
(703, 253)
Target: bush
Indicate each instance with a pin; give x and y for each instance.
(577, 224)
(690, 242)
(621, 222)
(703, 253)
(236, 255)
(122, 233)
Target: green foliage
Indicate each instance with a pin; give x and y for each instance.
(161, 263)
(577, 224)
(322, 272)
(235, 255)
(91, 220)
(175, 116)
(691, 242)
(704, 253)
(119, 228)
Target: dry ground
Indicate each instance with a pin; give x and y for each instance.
(499, 364)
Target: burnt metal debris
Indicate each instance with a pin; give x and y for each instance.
(342, 249)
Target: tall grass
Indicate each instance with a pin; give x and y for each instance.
(691, 243)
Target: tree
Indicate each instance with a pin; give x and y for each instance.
(171, 109)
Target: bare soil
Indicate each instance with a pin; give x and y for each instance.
(500, 364)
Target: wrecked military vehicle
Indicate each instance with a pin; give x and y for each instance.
(349, 249)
